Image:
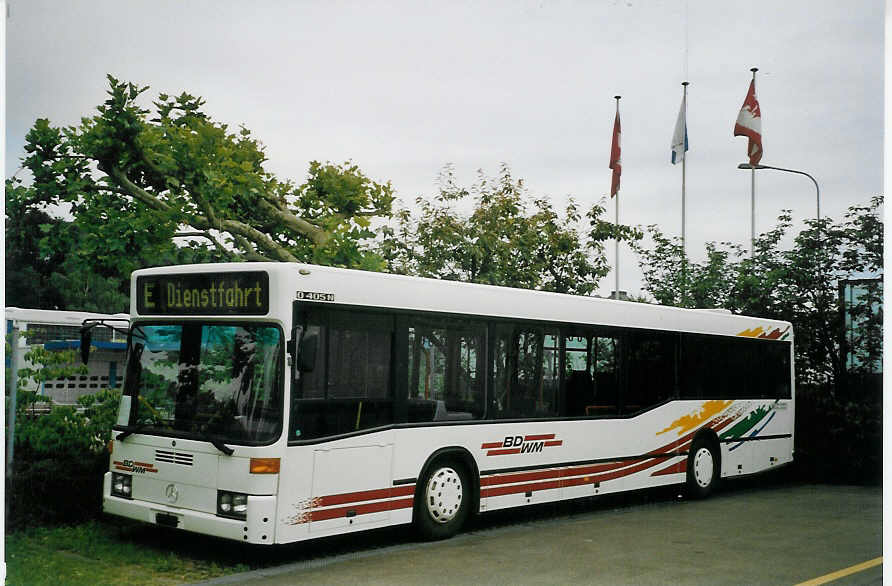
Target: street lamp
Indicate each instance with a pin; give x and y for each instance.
(817, 188)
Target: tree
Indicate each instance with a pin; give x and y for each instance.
(133, 183)
(509, 238)
(799, 284)
(28, 272)
(56, 263)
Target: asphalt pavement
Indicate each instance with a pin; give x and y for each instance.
(775, 534)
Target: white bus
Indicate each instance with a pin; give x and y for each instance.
(278, 402)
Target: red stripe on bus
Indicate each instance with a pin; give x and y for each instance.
(366, 495)
(555, 473)
(600, 467)
(534, 486)
(628, 471)
(624, 470)
(554, 443)
(515, 488)
(716, 425)
(322, 515)
(684, 443)
(536, 438)
(490, 445)
(676, 468)
(578, 481)
(503, 452)
(520, 477)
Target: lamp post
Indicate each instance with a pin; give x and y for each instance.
(817, 188)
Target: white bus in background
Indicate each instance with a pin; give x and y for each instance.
(278, 402)
(60, 330)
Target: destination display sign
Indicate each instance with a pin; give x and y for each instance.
(242, 293)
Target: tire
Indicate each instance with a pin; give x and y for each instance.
(704, 469)
(443, 500)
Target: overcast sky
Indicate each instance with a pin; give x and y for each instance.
(403, 88)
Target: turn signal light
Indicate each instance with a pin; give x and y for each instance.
(264, 465)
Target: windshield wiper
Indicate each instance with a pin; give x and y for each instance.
(130, 430)
(216, 443)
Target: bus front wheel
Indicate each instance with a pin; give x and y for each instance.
(443, 499)
(703, 468)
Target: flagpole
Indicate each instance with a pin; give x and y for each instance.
(684, 160)
(616, 242)
(753, 195)
(616, 249)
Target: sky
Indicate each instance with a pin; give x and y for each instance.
(404, 88)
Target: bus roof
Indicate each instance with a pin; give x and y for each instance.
(57, 317)
(366, 288)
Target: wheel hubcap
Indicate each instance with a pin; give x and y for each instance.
(443, 495)
(703, 467)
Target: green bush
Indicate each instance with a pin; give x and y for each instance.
(839, 435)
(60, 457)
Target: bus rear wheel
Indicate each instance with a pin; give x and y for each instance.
(703, 469)
(442, 499)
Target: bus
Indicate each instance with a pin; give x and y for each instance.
(276, 402)
(60, 330)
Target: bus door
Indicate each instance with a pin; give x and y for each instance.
(337, 404)
(349, 485)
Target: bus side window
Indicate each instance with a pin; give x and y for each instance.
(349, 387)
(696, 365)
(591, 375)
(445, 370)
(778, 359)
(579, 390)
(527, 374)
(652, 372)
(606, 379)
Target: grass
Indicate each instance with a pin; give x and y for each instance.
(109, 552)
(116, 551)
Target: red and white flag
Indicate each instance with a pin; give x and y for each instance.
(749, 124)
(615, 159)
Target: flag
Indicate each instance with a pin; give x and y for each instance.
(615, 160)
(749, 124)
(680, 138)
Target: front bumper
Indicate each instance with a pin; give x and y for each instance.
(259, 527)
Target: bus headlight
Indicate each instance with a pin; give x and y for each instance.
(122, 485)
(232, 504)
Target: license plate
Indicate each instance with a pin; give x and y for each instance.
(167, 520)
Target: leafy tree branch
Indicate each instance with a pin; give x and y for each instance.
(179, 170)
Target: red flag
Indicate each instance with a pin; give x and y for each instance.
(615, 159)
(749, 124)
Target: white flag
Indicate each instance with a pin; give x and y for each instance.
(680, 137)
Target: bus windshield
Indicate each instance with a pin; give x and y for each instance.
(217, 381)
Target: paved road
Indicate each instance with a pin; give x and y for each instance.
(743, 535)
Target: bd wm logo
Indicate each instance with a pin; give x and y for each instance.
(521, 444)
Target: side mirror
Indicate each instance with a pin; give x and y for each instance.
(86, 340)
(306, 352)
